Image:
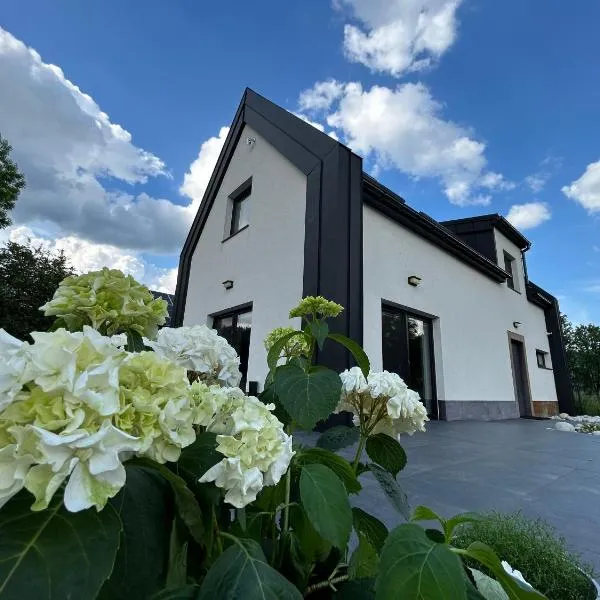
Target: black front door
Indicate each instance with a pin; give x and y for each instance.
(521, 380)
(407, 344)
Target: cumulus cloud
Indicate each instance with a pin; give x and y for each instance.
(586, 189)
(399, 36)
(321, 96)
(196, 179)
(528, 216)
(403, 128)
(88, 256)
(68, 149)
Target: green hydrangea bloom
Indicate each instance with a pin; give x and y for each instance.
(155, 405)
(316, 306)
(296, 346)
(108, 301)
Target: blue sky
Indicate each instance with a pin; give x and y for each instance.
(463, 107)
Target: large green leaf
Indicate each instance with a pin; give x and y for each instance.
(242, 571)
(307, 397)
(319, 330)
(412, 566)
(198, 458)
(515, 589)
(145, 508)
(369, 526)
(340, 466)
(54, 553)
(364, 561)
(386, 452)
(187, 592)
(396, 495)
(314, 547)
(325, 501)
(489, 588)
(466, 517)
(135, 342)
(187, 505)
(338, 437)
(360, 356)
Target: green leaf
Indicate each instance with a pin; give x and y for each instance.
(276, 349)
(435, 535)
(338, 437)
(396, 495)
(188, 592)
(360, 356)
(319, 330)
(178, 555)
(54, 553)
(135, 343)
(451, 524)
(386, 452)
(340, 466)
(242, 572)
(185, 501)
(293, 564)
(269, 396)
(489, 588)
(314, 547)
(145, 507)
(198, 458)
(412, 566)
(424, 513)
(357, 589)
(472, 592)
(307, 397)
(369, 526)
(364, 561)
(325, 501)
(515, 589)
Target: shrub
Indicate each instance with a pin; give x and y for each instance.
(534, 548)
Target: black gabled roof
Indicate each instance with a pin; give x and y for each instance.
(393, 206)
(483, 222)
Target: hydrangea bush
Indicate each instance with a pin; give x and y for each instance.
(132, 466)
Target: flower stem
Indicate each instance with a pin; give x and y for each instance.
(217, 532)
(286, 510)
(323, 584)
(359, 450)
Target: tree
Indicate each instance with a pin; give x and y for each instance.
(11, 183)
(29, 276)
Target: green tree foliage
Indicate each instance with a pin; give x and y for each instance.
(582, 344)
(29, 276)
(11, 183)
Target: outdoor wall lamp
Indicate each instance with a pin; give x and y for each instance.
(414, 280)
(516, 324)
(228, 284)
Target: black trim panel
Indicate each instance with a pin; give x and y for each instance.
(240, 308)
(408, 309)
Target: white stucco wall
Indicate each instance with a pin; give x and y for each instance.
(474, 314)
(266, 260)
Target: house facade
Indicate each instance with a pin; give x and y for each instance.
(289, 212)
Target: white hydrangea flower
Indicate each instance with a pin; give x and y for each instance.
(13, 470)
(202, 350)
(242, 484)
(256, 448)
(386, 403)
(13, 360)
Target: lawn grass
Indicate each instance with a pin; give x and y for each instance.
(586, 404)
(534, 548)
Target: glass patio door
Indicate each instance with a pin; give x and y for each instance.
(407, 344)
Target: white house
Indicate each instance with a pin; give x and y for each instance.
(289, 212)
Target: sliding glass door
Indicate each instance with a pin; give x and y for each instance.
(407, 343)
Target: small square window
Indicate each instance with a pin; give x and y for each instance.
(541, 359)
(508, 267)
(240, 208)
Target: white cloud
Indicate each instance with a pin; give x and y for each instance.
(67, 147)
(87, 256)
(196, 179)
(537, 181)
(586, 189)
(396, 36)
(527, 216)
(403, 128)
(321, 96)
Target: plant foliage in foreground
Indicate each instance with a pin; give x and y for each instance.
(128, 473)
(534, 548)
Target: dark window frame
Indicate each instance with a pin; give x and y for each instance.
(236, 200)
(407, 312)
(540, 357)
(234, 313)
(509, 262)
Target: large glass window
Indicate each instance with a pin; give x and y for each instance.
(235, 327)
(240, 208)
(407, 344)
